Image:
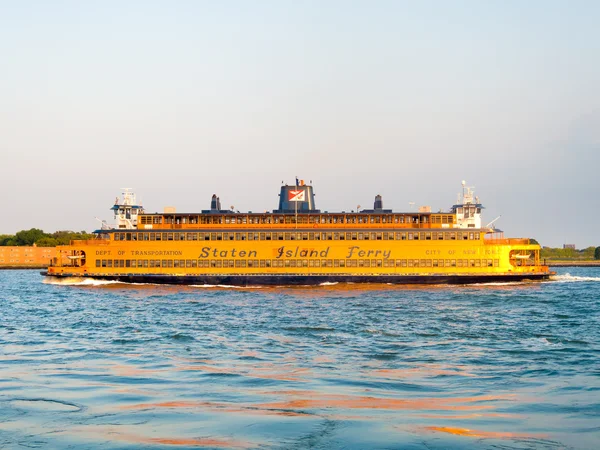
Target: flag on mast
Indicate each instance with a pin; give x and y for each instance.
(296, 195)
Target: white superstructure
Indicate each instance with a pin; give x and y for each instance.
(126, 210)
(467, 209)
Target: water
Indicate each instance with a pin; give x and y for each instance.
(116, 366)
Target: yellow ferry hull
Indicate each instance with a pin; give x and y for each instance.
(293, 262)
(312, 280)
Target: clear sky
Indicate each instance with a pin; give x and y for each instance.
(184, 99)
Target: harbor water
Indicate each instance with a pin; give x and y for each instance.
(103, 365)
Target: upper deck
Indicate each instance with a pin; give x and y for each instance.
(295, 221)
(297, 211)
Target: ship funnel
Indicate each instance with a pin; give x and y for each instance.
(215, 206)
(215, 203)
(378, 205)
(298, 198)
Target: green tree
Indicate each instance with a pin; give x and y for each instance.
(46, 242)
(7, 240)
(534, 242)
(29, 237)
(41, 239)
(587, 253)
(597, 253)
(64, 237)
(560, 253)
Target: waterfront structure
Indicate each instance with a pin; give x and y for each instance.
(297, 244)
(22, 256)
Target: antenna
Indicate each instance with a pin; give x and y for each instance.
(490, 224)
(411, 204)
(104, 224)
(128, 196)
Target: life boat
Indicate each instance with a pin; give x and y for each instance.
(527, 256)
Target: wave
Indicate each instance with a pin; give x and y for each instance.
(78, 281)
(227, 286)
(539, 343)
(568, 278)
(45, 404)
(75, 281)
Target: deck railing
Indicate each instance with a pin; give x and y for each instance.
(90, 242)
(507, 241)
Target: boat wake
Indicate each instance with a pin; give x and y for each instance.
(77, 281)
(568, 278)
(74, 281)
(226, 286)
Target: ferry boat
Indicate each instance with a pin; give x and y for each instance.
(298, 244)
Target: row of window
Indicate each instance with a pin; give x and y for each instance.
(18, 260)
(24, 261)
(264, 263)
(300, 236)
(214, 219)
(27, 252)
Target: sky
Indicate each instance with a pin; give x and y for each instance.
(179, 100)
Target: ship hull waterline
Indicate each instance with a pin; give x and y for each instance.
(309, 280)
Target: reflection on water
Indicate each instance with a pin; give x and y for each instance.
(217, 408)
(482, 434)
(318, 400)
(425, 370)
(124, 434)
(110, 365)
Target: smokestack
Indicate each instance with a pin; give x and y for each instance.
(378, 203)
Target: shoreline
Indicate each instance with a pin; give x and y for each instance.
(573, 263)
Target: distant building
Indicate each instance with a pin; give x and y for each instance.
(572, 246)
(23, 256)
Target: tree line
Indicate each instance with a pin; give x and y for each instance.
(562, 254)
(570, 253)
(42, 239)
